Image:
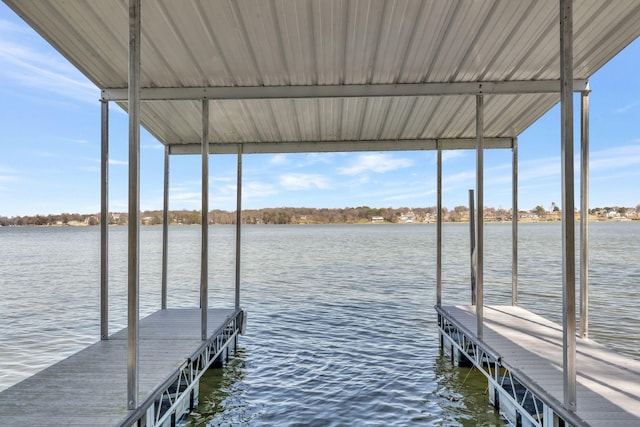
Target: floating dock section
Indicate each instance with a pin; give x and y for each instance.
(90, 387)
(521, 356)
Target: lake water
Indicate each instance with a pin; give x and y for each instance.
(341, 329)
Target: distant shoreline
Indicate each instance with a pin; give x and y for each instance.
(521, 221)
(355, 215)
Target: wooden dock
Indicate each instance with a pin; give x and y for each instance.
(531, 347)
(90, 387)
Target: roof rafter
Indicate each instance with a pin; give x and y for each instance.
(344, 91)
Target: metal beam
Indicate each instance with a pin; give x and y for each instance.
(268, 147)
(439, 228)
(238, 225)
(134, 205)
(584, 215)
(568, 219)
(204, 253)
(343, 91)
(480, 216)
(104, 221)
(514, 223)
(165, 229)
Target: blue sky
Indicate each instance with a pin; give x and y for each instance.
(50, 151)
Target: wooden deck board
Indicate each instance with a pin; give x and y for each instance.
(608, 384)
(90, 387)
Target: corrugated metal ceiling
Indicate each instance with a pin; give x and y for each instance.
(253, 43)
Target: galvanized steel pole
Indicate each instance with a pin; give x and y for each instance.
(104, 220)
(165, 228)
(238, 224)
(472, 245)
(584, 215)
(439, 227)
(204, 253)
(514, 223)
(568, 219)
(134, 204)
(480, 214)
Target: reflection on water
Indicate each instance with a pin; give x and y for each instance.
(341, 326)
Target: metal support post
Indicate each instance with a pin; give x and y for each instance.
(204, 258)
(165, 228)
(472, 246)
(480, 214)
(238, 225)
(584, 215)
(439, 227)
(134, 204)
(568, 220)
(514, 223)
(104, 221)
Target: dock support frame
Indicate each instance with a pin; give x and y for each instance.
(134, 205)
(529, 400)
(171, 399)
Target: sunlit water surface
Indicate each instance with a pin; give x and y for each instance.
(341, 326)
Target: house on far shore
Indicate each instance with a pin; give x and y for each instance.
(408, 217)
(377, 219)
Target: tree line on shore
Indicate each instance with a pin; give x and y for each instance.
(288, 215)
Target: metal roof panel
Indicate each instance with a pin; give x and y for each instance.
(209, 43)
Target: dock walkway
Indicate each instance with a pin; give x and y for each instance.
(530, 346)
(90, 387)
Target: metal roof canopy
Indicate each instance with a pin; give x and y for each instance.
(343, 75)
(334, 75)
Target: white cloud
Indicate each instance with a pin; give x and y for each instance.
(222, 179)
(254, 189)
(377, 162)
(278, 159)
(628, 107)
(304, 181)
(615, 158)
(118, 162)
(452, 154)
(49, 154)
(76, 141)
(28, 67)
(185, 196)
(89, 168)
(7, 178)
(410, 196)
